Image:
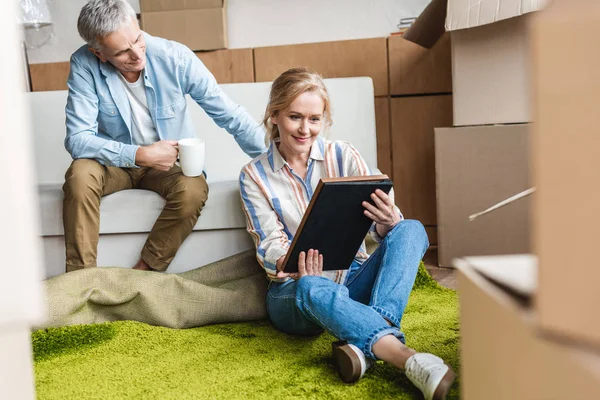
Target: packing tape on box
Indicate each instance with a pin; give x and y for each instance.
(503, 203)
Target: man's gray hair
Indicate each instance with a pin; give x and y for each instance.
(100, 18)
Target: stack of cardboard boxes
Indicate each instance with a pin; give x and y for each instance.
(420, 100)
(199, 24)
(529, 325)
(485, 158)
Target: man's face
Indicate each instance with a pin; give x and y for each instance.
(125, 49)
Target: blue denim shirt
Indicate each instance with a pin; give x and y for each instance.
(99, 115)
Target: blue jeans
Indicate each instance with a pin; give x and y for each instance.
(358, 311)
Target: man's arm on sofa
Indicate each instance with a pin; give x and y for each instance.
(82, 139)
(203, 88)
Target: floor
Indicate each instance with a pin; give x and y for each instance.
(444, 276)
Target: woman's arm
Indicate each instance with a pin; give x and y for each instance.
(262, 222)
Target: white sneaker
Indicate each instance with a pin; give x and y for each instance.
(430, 375)
(350, 361)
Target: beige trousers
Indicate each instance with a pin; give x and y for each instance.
(86, 181)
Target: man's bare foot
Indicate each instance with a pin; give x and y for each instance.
(141, 265)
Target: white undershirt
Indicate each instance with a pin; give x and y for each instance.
(143, 131)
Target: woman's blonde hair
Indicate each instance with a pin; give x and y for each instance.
(289, 85)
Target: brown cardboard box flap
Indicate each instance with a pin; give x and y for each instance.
(517, 273)
(429, 26)
(173, 5)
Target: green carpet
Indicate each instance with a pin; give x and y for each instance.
(126, 359)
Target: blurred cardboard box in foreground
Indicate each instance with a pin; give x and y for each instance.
(566, 168)
(503, 354)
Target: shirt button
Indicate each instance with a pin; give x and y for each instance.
(112, 112)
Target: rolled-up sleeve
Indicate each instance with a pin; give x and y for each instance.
(262, 222)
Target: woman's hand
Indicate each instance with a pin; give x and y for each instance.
(383, 212)
(308, 264)
(280, 273)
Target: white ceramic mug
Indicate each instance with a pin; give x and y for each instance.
(191, 156)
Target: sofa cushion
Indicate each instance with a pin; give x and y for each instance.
(136, 210)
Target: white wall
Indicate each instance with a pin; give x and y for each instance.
(257, 23)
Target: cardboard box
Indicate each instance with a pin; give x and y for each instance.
(413, 121)
(229, 66)
(490, 60)
(490, 74)
(201, 28)
(384, 135)
(417, 70)
(567, 168)
(502, 355)
(476, 167)
(432, 235)
(340, 59)
(173, 5)
(420, 59)
(49, 76)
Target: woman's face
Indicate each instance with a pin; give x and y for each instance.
(299, 124)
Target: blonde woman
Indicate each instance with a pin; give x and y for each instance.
(361, 304)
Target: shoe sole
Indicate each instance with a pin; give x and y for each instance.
(444, 386)
(344, 359)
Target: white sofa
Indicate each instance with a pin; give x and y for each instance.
(127, 216)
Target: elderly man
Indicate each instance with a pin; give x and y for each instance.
(125, 113)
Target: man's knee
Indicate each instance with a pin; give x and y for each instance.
(189, 197)
(83, 177)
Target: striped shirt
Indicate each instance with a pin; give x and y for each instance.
(274, 198)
